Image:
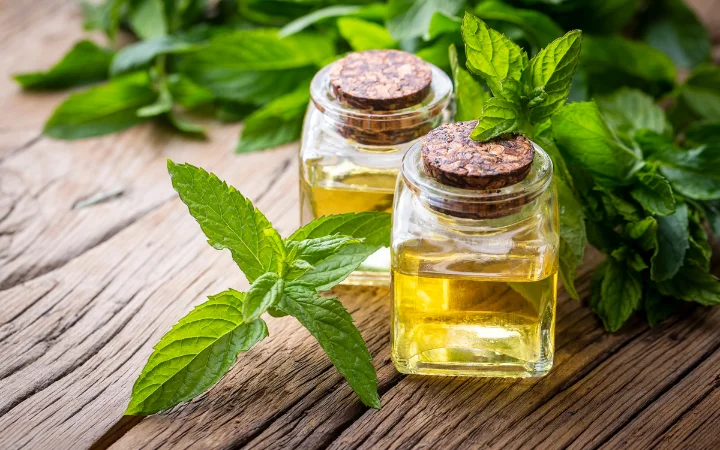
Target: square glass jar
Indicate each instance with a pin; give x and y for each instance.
(350, 158)
(474, 274)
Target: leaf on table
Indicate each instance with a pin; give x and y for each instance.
(620, 295)
(672, 243)
(265, 292)
(498, 117)
(552, 70)
(85, 63)
(409, 19)
(195, 354)
(694, 284)
(654, 193)
(101, 110)
(364, 35)
(147, 18)
(583, 136)
(491, 54)
(470, 96)
(162, 105)
(185, 126)
(328, 321)
(672, 27)
(141, 54)
(228, 219)
(276, 123)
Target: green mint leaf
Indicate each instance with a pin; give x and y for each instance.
(613, 62)
(364, 35)
(672, 27)
(498, 117)
(659, 307)
(699, 252)
(188, 93)
(276, 123)
(409, 19)
(101, 110)
(265, 292)
(141, 54)
(470, 96)
(644, 232)
(712, 214)
(147, 18)
(441, 24)
(615, 205)
(654, 193)
(537, 28)
(230, 61)
(704, 132)
(195, 354)
(620, 295)
(307, 20)
(184, 126)
(573, 237)
(162, 105)
(372, 227)
(701, 92)
(552, 70)
(437, 53)
(693, 284)
(491, 54)
(690, 172)
(312, 251)
(228, 219)
(328, 321)
(672, 243)
(583, 136)
(103, 16)
(629, 110)
(85, 63)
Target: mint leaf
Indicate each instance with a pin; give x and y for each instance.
(188, 93)
(644, 232)
(410, 19)
(573, 236)
(691, 172)
(470, 96)
(228, 219)
(372, 227)
(629, 110)
(328, 321)
(712, 214)
(491, 54)
(584, 137)
(265, 292)
(672, 27)
(195, 353)
(552, 70)
(441, 24)
(498, 117)
(147, 18)
(101, 110)
(701, 92)
(364, 35)
(654, 193)
(315, 250)
(613, 62)
(276, 123)
(307, 20)
(85, 63)
(537, 28)
(162, 105)
(620, 295)
(672, 243)
(184, 126)
(659, 307)
(704, 132)
(141, 54)
(694, 284)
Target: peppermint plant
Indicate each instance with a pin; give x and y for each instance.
(286, 276)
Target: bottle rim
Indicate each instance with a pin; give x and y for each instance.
(434, 103)
(449, 199)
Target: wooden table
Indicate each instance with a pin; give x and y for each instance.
(86, 290)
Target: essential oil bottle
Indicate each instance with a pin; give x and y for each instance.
(367, 109)
(474, 257)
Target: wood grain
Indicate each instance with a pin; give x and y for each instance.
(87, 289)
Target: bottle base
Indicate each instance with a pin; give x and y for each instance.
(470, 363)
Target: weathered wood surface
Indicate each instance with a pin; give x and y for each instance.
(86, 292)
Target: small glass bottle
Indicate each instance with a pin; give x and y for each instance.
(474, 257)
(367, 109)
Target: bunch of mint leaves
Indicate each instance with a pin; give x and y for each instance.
(627, 183)
(252, 60)
(286, 276)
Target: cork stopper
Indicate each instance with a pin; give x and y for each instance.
(381, 80)
(452, 158)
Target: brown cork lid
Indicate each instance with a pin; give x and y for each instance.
(451, 157)
(380, 80)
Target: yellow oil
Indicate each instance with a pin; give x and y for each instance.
(353, 192)
(496, 323)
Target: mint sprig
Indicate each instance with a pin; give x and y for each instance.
(286, 277)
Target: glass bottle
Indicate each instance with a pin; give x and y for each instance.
(474, 272)
(352, 148)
